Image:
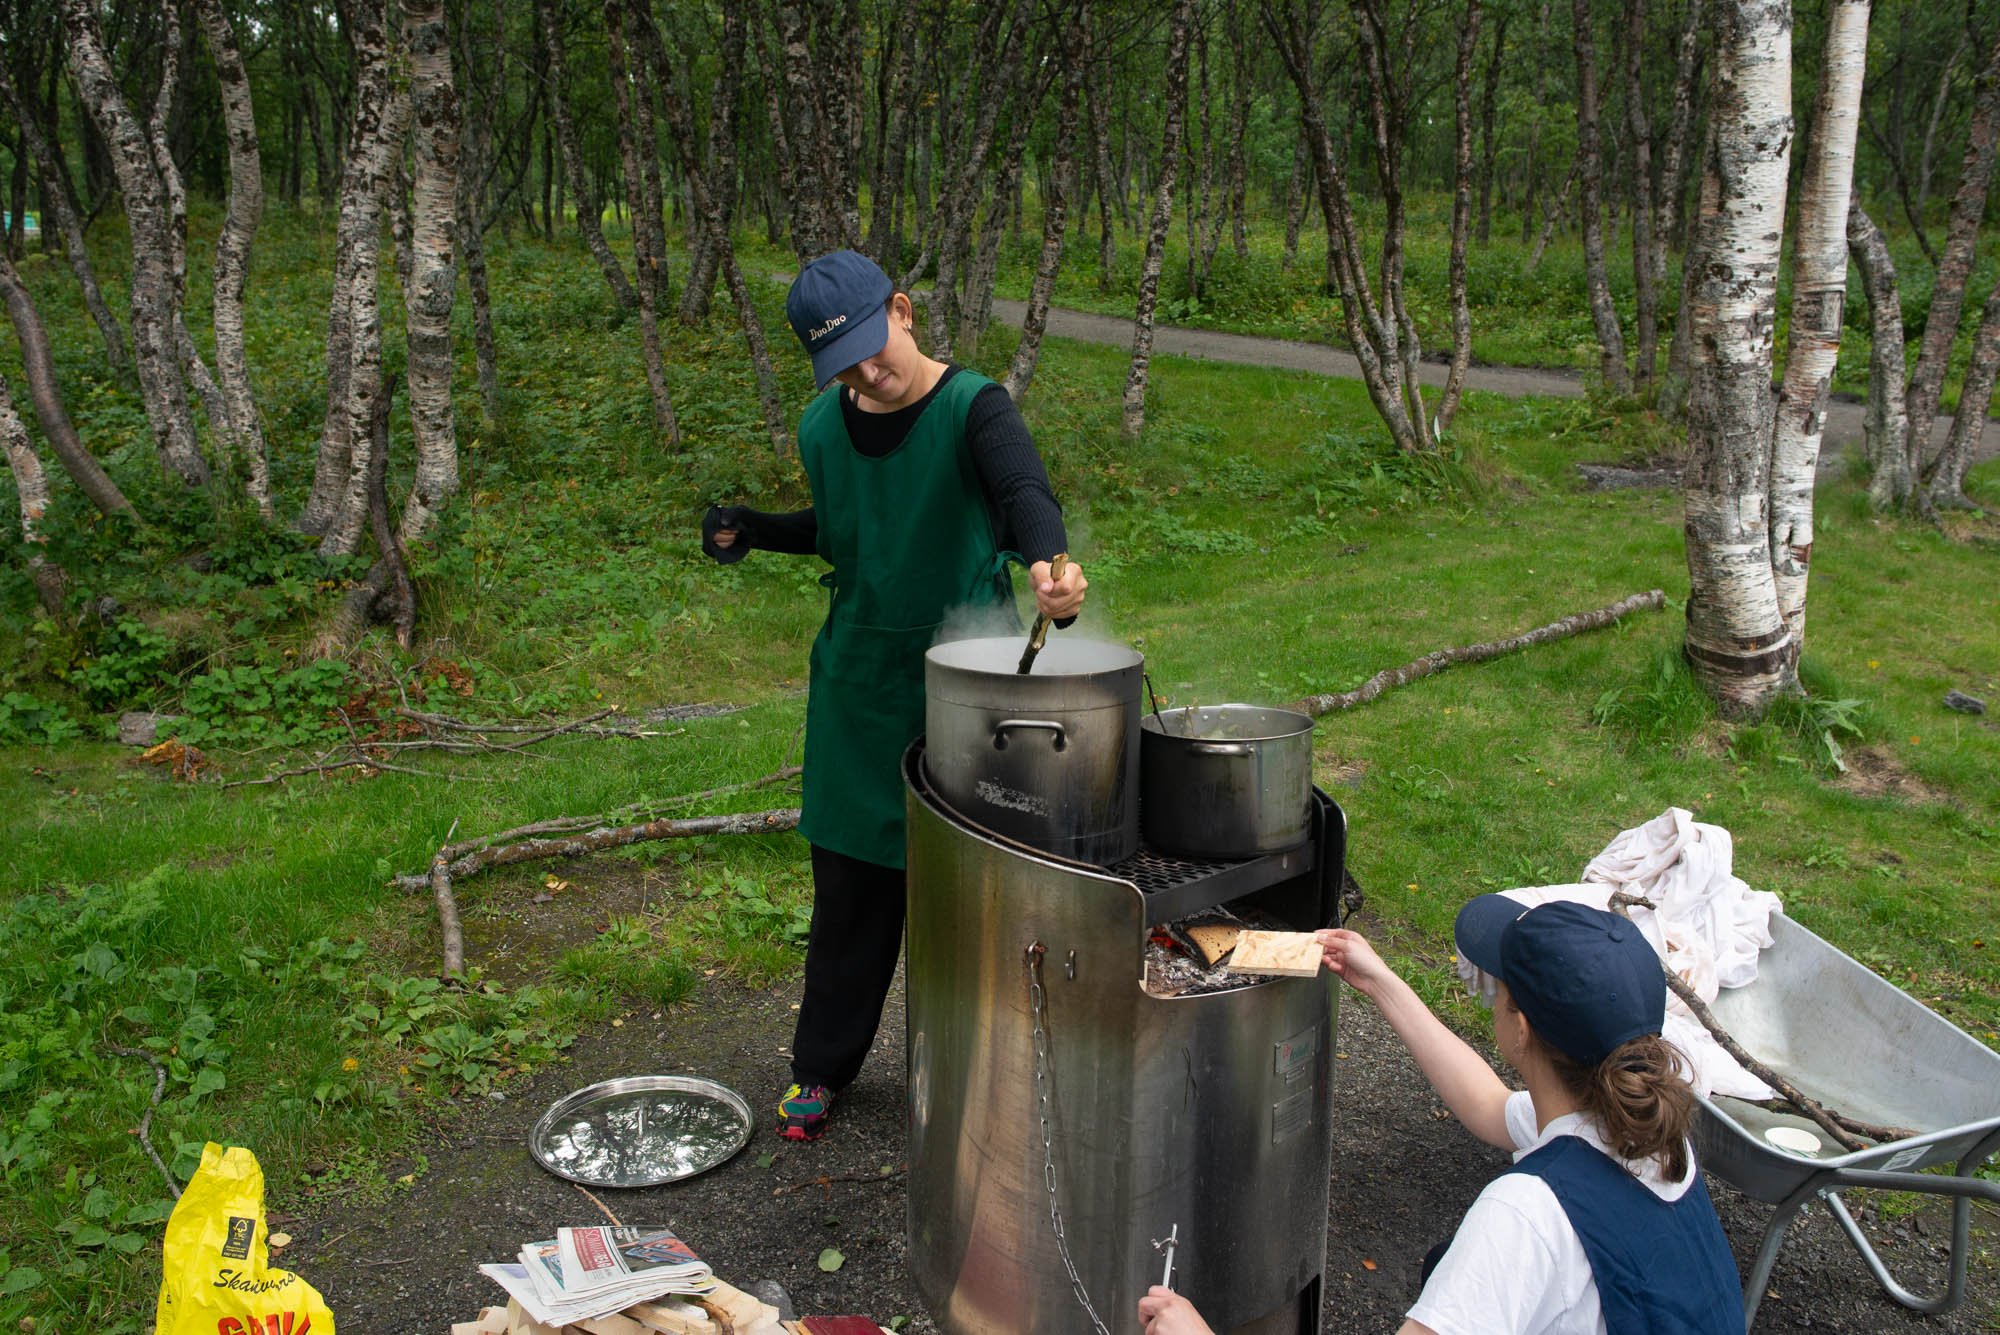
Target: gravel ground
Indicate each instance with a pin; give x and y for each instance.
(1403, 1173)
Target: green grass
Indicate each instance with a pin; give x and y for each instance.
(1261, 542)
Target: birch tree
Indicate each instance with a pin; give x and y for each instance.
(31, 485)
(74, 250)
(1819, 293)
(1736, 639)
(46, 395)
(1461, 218)
(1590, 180)
(637, 145)
(1968, 207)
(1946, 486)
(588, 210)
(1055, 214)
(433, 282)
(1178, 30)
(155, 308)
(232, 251)
(1639, 128)
(1885, 430)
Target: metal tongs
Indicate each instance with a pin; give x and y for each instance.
(1058, 565)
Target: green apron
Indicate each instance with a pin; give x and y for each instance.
(909, 538)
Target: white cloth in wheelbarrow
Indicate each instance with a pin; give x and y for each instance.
(1707, 925)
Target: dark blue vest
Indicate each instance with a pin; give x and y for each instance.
(1661, 1267)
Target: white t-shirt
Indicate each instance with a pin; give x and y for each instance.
(1516, 1266)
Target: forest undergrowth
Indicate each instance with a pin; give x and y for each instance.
(1260, 543)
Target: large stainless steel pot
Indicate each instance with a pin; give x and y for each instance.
(1050, 758)
(1226, 781)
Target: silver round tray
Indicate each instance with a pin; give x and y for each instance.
(641, 1131)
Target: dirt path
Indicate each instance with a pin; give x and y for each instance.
(1403, 1174)
(1843, 421)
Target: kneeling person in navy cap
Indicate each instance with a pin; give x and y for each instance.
(1603, 1223)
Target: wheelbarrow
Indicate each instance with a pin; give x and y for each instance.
(1863, 1046)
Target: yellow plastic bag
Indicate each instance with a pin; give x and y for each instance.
(219, 1279)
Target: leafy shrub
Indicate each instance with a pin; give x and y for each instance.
(125, 666)
(23, 718)
(255, 704)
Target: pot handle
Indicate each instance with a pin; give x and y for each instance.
(1001, 729)
(1220, 749)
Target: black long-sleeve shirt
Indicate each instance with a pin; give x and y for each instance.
(1019, 500)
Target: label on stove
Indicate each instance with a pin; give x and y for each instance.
(1292, 1057)
(1291, 1115)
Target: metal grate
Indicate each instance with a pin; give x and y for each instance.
(1153, 871)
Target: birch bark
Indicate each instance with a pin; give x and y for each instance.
(1819, 291)
(364, 176)
(1645, 280)
(1461, 219)
(1055, 213)
(156, 352)
(232, 251)
(1488, 142)
(1590, 177)
(31, 484)
(1968, 206)
(1946, 487)
(1885, 428)
(1178, 29)
(46, 395)
(588, 209)
(680, 126)
(646, 263)
(1736, 639)
(74, 249)
(428, 297)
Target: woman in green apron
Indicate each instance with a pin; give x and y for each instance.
(925, 484)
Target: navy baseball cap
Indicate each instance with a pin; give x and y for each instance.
(1587, 980)
(836, 307)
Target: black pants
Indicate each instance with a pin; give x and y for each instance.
(857, 933)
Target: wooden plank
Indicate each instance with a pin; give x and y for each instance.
(614, 1324)
(1290, 954)
(671, 1316)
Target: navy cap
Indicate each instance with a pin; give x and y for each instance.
(836, 307)
(1587, 980)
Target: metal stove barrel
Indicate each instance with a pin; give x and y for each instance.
(1206, 1112)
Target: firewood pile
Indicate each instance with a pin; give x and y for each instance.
(725, 1311)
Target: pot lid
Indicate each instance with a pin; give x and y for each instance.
(641, 1131)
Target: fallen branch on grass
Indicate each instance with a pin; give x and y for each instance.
(638, 811)
(454, 936)
(506, 855)
(1576, 624)
(144, 1129)
(825, 1181)
(439, 732)
(1846, 1131)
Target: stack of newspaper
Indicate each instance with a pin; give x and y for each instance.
(591, 1272)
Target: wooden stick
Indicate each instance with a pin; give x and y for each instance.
(1575, 624)
(506, 855)
(454, 938)
(826, 1181)
(143, 1130)
(622, 816)
(1829, 1121)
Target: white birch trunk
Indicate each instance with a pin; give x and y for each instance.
(1162, 219)
(1819, 294)
(433, 281)
(1885, 429)
(232, 251)
(154, 312)
(373, 167)
(31, 483)
(1055, 215)
(1736, 639)
(1589, 175)
(1946, 488)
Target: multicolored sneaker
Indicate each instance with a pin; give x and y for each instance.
(802, 1112)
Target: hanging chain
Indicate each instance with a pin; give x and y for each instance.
(1037, 1006)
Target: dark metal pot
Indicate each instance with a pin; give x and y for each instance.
(1050, 758)
(1226, 781)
